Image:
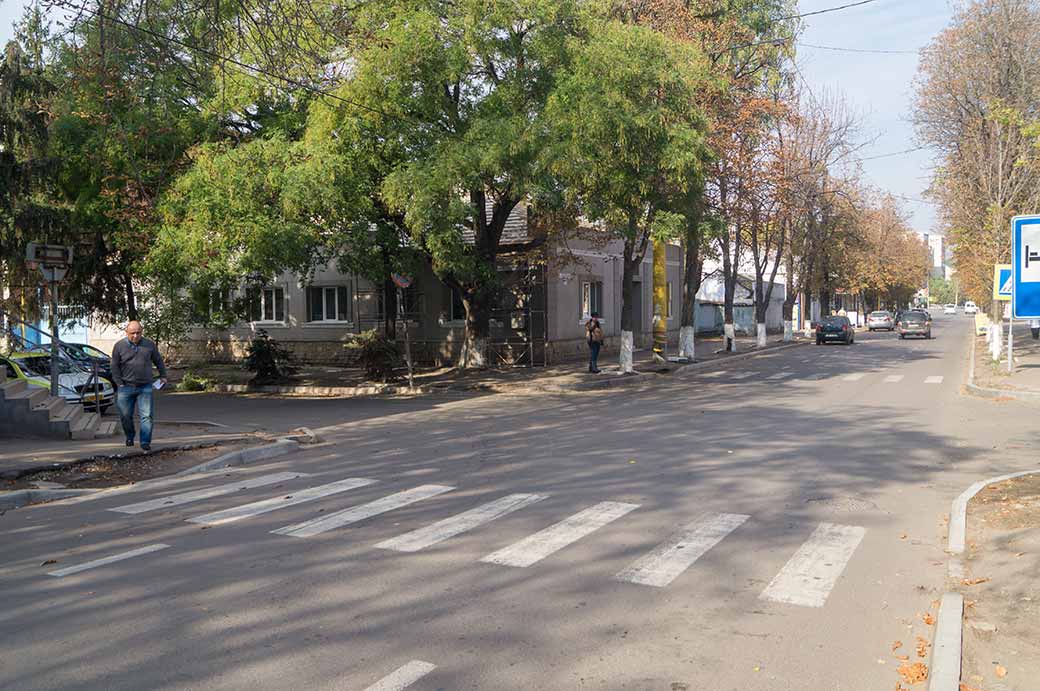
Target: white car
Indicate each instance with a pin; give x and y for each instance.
(970, 307)
(950, 309)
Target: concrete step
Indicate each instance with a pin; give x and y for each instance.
(70, 413)
(106, 428)
(85, 427)
(33, 394)
(53, 405)
(12, 387)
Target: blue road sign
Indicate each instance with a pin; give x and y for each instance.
(1025, 303)
(1005, 284)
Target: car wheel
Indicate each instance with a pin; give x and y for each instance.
(819, 342)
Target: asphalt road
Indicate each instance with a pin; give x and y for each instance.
(777, 530)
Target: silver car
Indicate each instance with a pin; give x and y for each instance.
(881, 320)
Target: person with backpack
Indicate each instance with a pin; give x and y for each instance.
(595, 337)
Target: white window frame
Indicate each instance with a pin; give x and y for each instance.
(586, 306)
(325, 291)
(264, 302)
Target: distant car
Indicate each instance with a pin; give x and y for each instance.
(74, 385)
(915, 323)
(880, 319)
(835, 328)
(970, 307)
(950, 308)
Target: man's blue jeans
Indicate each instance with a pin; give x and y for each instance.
(126, 397)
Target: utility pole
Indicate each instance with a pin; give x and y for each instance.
(53, 262)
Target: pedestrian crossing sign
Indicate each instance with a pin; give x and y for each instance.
(1003, 283)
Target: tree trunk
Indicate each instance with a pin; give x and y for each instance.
(478, 330)
(789, 297)
(389, 309)
(692, 277)
(131, 298)
(630, 265)
(729, 278)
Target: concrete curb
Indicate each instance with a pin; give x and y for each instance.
(945, 674)
(331, 391)
(21, 497)
(959, 510)
(986, 392)
(242, 456)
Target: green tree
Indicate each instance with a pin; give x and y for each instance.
(629, 141)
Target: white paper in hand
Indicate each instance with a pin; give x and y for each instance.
(157, 384)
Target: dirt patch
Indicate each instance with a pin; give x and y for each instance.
(114, 471)
(1000, 587)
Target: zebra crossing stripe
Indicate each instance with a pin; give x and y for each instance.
(808, 577)
(536, 547)
(208, 493)
(853, 377)
(256, 508)
(359, 513)
(107, 560)
(893, 378)
(933, 380)
(455, 525)
(403, 677)
(671, 558)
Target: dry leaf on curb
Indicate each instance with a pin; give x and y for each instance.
(1000, 671)
(922, 646)
(904, 658)
(928, 618)
(913, 673)
(903, 536)
(965, 687)
(973, 581)
(49, 561)
(896, 645)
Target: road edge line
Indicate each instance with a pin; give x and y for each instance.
(945, 674)
(18, 498)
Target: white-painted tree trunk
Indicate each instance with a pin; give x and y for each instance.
(626, 352)
(808, 329)
(788, 330)
(729, 338)
(760, 330)
(996, 345)
(475, 357)
(686, 342)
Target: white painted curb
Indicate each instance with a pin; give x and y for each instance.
(945, 674)
(256, 453)
(959, 510)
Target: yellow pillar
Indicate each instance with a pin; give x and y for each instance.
(660, 300)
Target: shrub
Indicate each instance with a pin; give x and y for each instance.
(268, 361)
(192, 382)
(377, 355)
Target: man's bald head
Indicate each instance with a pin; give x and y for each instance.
(134, 331)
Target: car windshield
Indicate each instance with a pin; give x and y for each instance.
(880, 315)
(834, 321)
(915, 315)
(40, 365)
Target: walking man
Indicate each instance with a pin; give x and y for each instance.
(132, 360)
(595, 337)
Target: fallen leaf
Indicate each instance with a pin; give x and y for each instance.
(896, 645)
(904, 658)
(928, 618)
(49, 561)
(1020, 554)
(965, 687)
(903, 536)
(1000, 671)
(922, 646)
(973, 581)
(913, 673)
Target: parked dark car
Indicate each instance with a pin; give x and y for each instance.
(835, 328)
(915, 323)
(85, 356)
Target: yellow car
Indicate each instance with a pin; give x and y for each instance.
(74, 385)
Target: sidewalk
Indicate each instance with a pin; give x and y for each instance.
(571, 375)
(1025, 379)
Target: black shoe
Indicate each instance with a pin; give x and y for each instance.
(129, 442)
(146, 447)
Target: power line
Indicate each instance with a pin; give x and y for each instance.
(894, 153)
(859, 50)
(826, 10)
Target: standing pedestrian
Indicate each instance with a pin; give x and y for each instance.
(132, 360)
(595, 337)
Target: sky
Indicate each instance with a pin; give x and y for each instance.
(878, 87)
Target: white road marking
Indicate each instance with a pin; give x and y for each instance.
(403, 677)
(536, 547)
(853, 377)
(108, 560)
(808, 577)
(778, 375)
(671, 558)
(147, 485)
(893, 378)
(354, 514)
(933, 380)
(208, 493)
(237, 513)
(455, 525)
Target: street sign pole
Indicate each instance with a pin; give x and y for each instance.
(403, 282)
(1011, 345)
(53, 262)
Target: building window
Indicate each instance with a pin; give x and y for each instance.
(668, 303)
(328, 304)
(458, 310)
(269, 305)
(591, 298)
